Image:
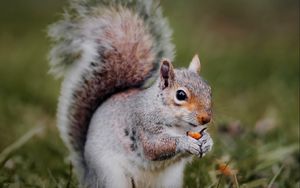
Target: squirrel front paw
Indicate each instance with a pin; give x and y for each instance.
(196, 147)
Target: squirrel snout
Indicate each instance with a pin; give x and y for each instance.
(204, 118)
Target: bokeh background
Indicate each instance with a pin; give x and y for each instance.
(249, 52)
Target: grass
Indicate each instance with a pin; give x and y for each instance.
(250, 55)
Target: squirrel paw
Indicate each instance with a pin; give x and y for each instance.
(196, 147)
(205, 144)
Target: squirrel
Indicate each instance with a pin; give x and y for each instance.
(124, 110)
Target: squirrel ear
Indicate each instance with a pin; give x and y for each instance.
(166, 73)
(195, 65)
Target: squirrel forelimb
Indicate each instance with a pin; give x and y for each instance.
(120, 131)
(164, 146)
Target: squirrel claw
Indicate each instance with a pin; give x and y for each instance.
(196, 147)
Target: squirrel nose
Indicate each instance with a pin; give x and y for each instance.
(204, 118)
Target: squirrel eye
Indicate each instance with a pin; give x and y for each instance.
(181, 95)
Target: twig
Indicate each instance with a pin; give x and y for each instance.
(222, 174)
(275, 176)
(235, 181)
(7, 152)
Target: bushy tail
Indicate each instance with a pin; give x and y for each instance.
(102, 47)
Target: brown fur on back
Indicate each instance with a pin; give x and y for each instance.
(126, 61)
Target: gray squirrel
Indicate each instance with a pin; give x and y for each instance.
(124, 110)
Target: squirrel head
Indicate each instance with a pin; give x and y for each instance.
(185, 93)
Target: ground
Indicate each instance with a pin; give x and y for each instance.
(249, 52)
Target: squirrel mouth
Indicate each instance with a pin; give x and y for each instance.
(196, 125)
(192, 124)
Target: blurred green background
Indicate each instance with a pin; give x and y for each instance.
(249, 52)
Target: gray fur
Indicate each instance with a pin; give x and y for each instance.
(80, 45)
(115, 127)
(158, 146)
(68, 34)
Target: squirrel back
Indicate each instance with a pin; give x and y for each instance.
(101, 48)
